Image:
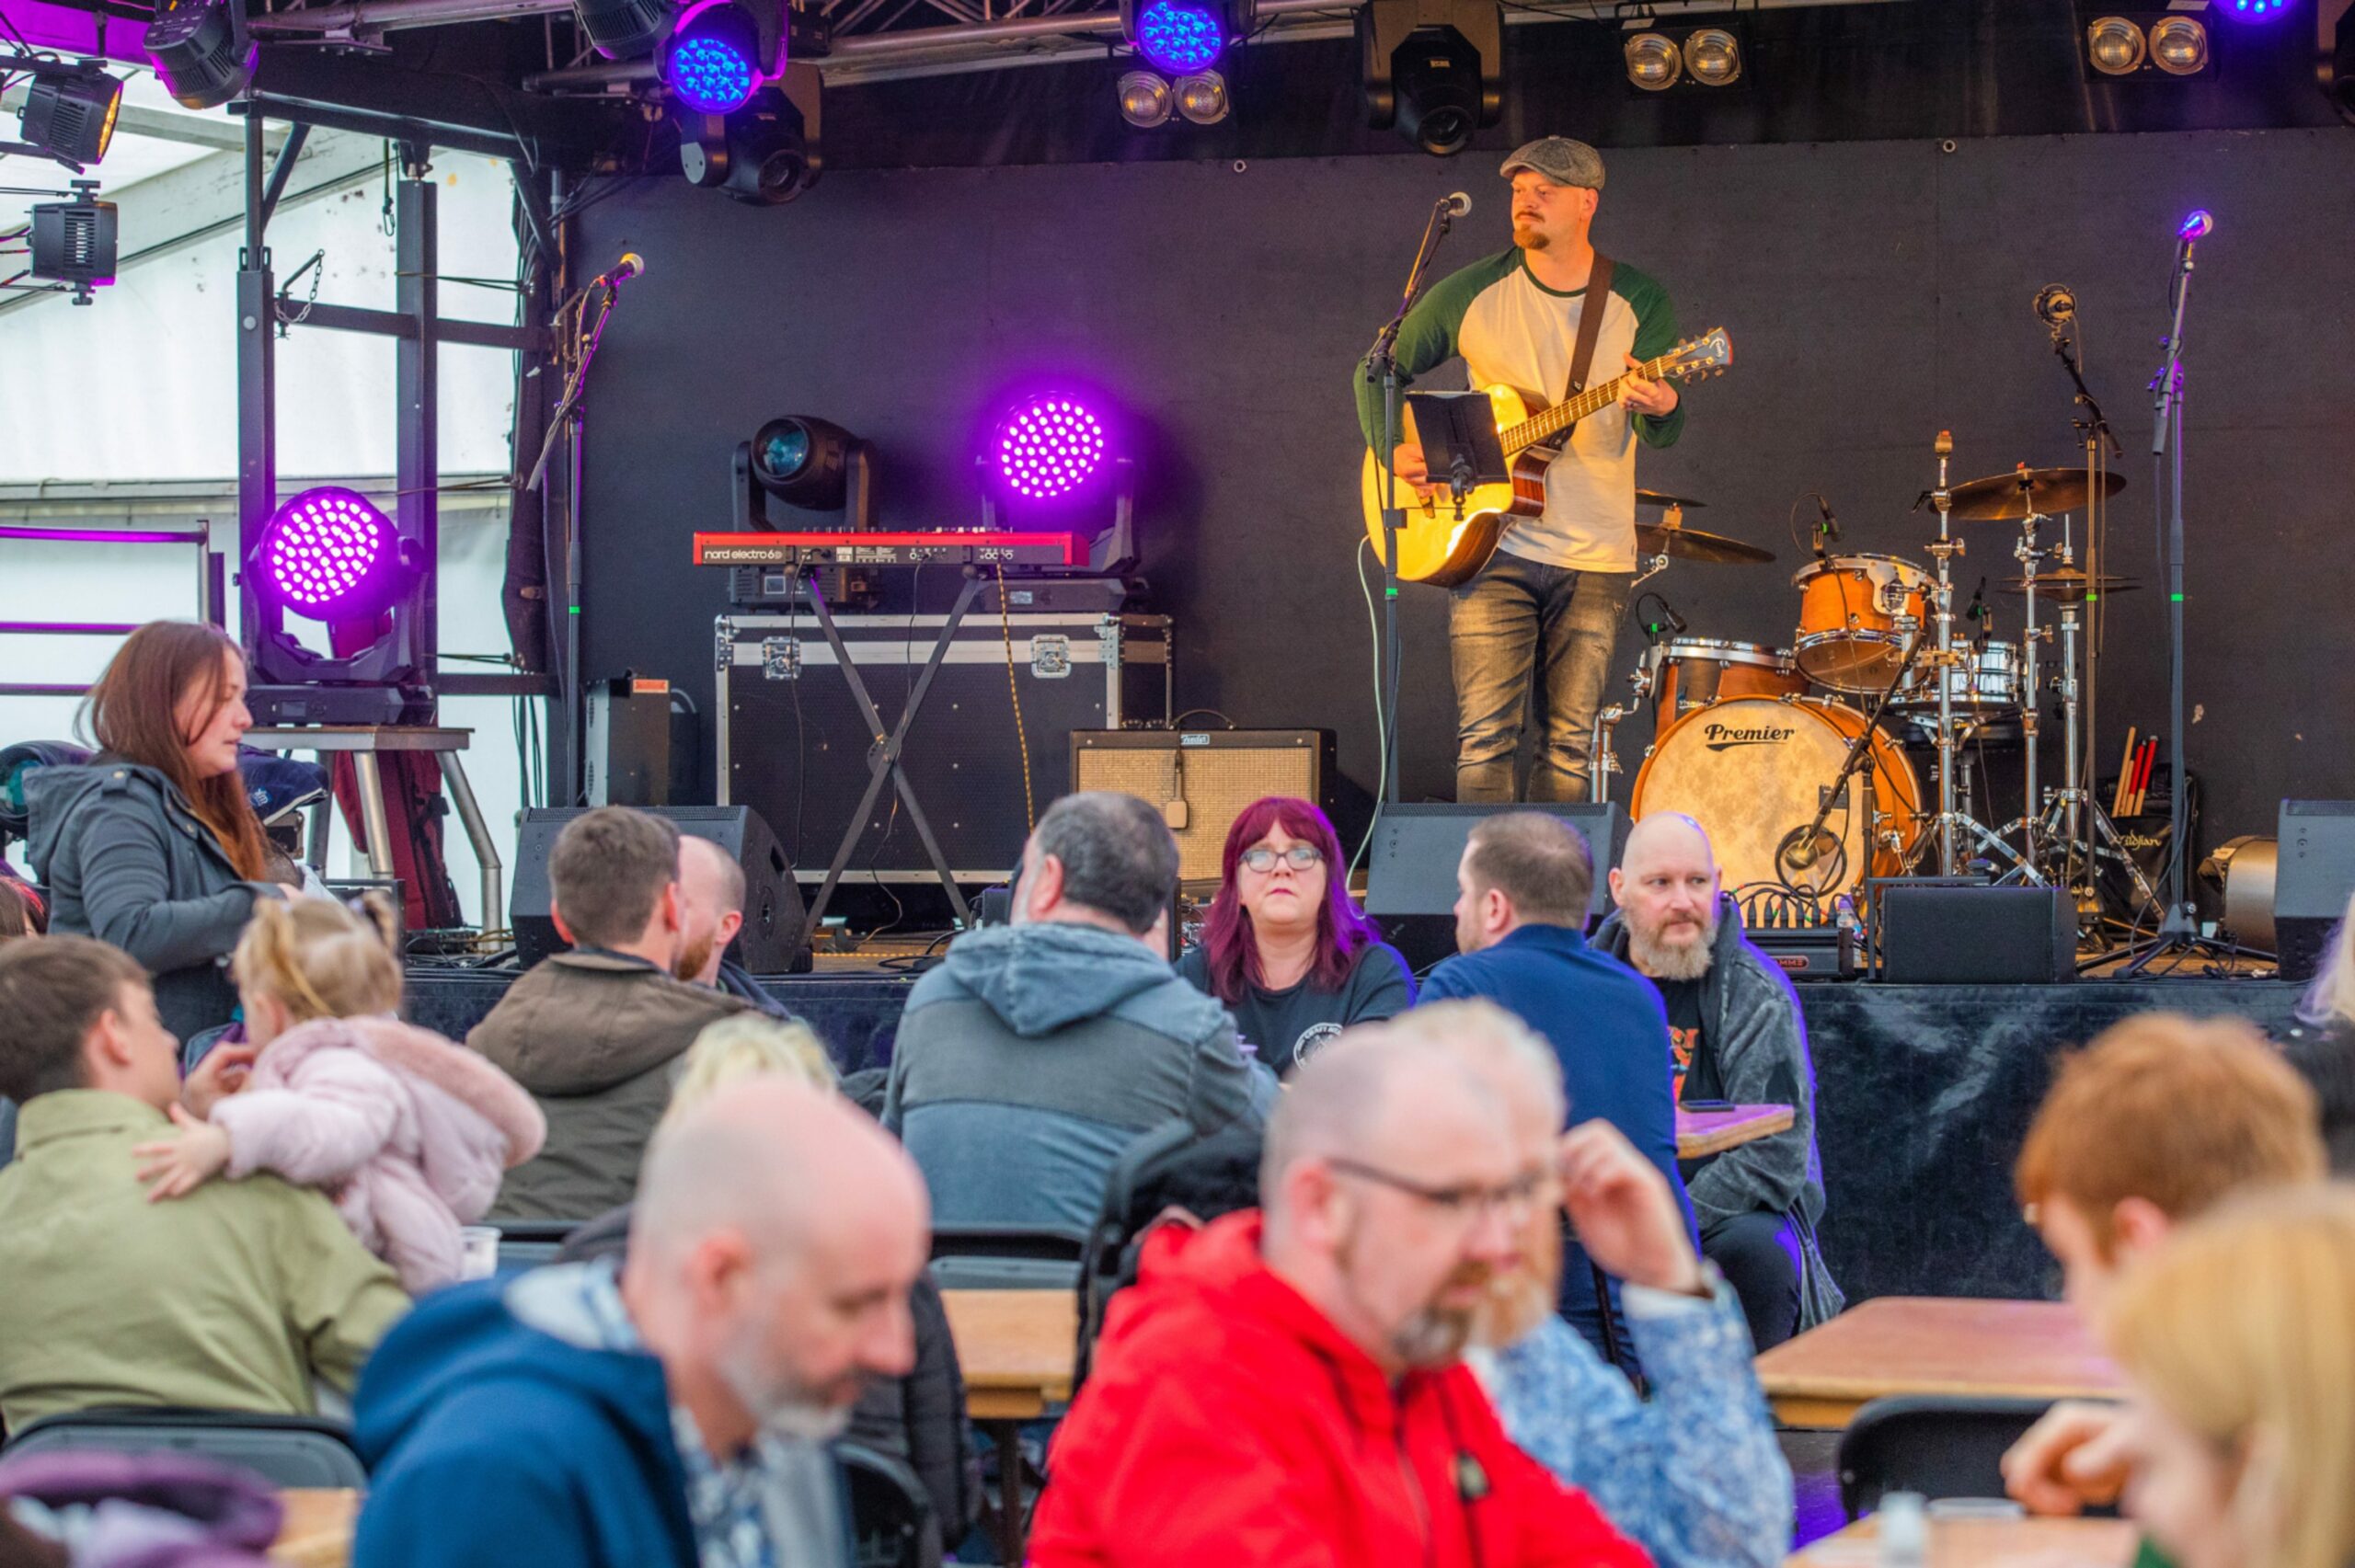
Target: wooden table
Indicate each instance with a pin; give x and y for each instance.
(1982, 1543)
(1015, 1348)
(1922, 1345)
(317, 1529)
(1703, 1133)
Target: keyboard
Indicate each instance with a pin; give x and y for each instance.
(948, 546)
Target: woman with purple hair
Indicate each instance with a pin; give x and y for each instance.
(1284, 946)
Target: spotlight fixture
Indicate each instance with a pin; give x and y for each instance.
(1713, 57)
(1654, 62)
(622, 30)
(807, 463)
(1433, 69)
(1202, 97)
(1047, 447)
(2179, 46)
(2149, 46)
(766, 153)
(201, 50)
(2115, 46)
(69, 111)
(1145, 99)
(74, 242)
(330, 555)
(2251, 10)
(1182, 37)
(713, 59)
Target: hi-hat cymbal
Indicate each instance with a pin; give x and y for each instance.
(1692, 544)
(2068, 585)
(1654, 499)
(2047, 492)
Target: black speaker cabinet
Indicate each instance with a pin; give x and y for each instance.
(1410, 882)
(770, 943)
(1935, 931)
(2314, 874)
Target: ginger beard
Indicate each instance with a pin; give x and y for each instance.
(1434, 1333)
(1525, 1296)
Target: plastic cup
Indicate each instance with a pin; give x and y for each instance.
(482, 1252)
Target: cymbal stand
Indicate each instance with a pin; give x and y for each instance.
(2074, 810)
(1950, 820)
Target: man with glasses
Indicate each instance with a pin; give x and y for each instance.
(1522, 891)
(1285, 1385)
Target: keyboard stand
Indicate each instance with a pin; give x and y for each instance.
(883, 753)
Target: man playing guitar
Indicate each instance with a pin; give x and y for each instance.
(1551, 597)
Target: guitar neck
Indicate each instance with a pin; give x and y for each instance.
(1570, 410)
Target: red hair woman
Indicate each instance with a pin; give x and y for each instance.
(152, 845)
(1284, 945)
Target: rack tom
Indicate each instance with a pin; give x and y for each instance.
(1850, 607)
(1692, 672)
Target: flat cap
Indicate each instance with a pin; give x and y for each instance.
(1559, 159)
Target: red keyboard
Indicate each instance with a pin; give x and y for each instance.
(831, 548)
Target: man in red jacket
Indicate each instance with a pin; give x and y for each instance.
(1286, 1389)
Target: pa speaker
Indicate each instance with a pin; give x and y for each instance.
(2314, 874)
(1938, 932)
(1411, 878)
(770, 943)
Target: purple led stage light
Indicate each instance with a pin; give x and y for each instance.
(712, 59)
(1048, 447)
(1180, 38)
(2253, 10)
(329, 552)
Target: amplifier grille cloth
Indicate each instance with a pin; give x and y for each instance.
(1217, 783)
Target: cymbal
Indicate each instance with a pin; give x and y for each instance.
(1654, 499)
(2069, 585)
(1692, 544)
(2048, 492)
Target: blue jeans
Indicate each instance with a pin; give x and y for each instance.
(1519, 617)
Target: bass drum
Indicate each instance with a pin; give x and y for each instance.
(1697, 671)
(1751, 772)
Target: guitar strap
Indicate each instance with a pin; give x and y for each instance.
(1598, 300)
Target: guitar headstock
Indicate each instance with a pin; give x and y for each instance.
(1698, 357)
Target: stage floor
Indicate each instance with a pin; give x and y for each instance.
(1922, 1095)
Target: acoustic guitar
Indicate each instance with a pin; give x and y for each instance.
(1445, 541)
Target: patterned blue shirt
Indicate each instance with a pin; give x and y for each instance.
(1694, 1476)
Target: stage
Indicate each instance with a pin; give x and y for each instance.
(1922, 1093)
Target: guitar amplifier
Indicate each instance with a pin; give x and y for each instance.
(2314, 874)
(1200, 780)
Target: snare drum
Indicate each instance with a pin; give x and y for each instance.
(1692, 672)
(1849, 607)
(1751, 772)
(1987, 681)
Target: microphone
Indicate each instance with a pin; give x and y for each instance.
(1978, 614)
(2056, 306)
(631, 264)
(1670, 622)
(2199, 226)
(1828, 531)
(1458, 204)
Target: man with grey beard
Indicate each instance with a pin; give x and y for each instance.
(1735, 1027)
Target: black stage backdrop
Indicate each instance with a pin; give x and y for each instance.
(1876, 292)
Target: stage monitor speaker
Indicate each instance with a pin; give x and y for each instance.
(2314, 874)
(770, 943)
(1416, 849)
(1200, 780)
(1936, 931)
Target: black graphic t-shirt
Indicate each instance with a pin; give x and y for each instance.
(1696, 1066)
(1287, 1026)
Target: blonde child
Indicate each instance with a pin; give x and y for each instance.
(406, 1132)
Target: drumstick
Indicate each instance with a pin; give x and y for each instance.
(2142, 774)
(2125, 776)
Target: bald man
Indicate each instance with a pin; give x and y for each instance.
(674, 1411)
(1735, 1029)
(711, 911)
(1288, 1387)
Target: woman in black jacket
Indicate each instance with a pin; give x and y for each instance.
(152, 845)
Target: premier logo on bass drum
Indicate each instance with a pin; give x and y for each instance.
(1720, 737)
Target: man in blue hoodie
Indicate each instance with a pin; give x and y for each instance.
(1036, 1052)
(673, 1412)
(1522, 889)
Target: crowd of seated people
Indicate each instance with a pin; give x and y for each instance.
(1399, 1355)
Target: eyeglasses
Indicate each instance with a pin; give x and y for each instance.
(1513, 1199)
(1300, 857)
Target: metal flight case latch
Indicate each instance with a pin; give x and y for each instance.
(781, 658)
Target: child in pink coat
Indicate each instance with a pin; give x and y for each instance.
(408, 1133)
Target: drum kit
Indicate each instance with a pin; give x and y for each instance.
(1794, 759)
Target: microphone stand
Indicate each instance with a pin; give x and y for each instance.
(1382, 360)
(2178, 930)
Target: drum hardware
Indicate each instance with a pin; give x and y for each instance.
(1803, 849)
(2075, 821)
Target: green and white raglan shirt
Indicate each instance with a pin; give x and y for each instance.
(1509, 328)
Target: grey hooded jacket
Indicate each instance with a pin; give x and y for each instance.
(1035, 1054)
(1751, 1018)
(126, 861)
